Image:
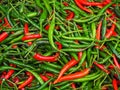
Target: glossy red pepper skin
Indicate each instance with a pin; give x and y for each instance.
(115, 61)
(82, 7)
(73, 76)
(101, 67)
(26, 82)
(114, 83)
(44, 77)
(70, 15)
(85, 2)
(3, 36)
(73, 85)
(112, 29)
(32, 36)
(26, 29)
(6, 23)
(39, 57)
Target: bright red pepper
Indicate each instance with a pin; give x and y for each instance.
(59, 45)
(73, 85)
(111, 30)
(114, 83)
(70, 15)
(49, 74)
(6, 23)
(26, 29)
(73, 76)
(47, 27)
(115, 61)
(98, 31)
(85, 2)
(10, 72)
(78, 3)
(70, 64)
(39, 57)
(3, 36)
(101, 67)
(26, 82)
(44, 77)
(32, 36)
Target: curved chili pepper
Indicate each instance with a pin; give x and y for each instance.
(10, 72)
(39, 57)
(33, 36)
(101, 67)
(75, 75)
(70, 15)
(109, 34)
(59, 45)
(114, 83)
(44, 77)
(70, 64)
(6, 23)
(115, 61)
(26, 82)
(3, 36)
(82, 7)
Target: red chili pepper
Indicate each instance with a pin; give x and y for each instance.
(114, 83)
(85, 2)
(82, 7)
(16, 80)
(65, 4)
(44, 77)
(113, 34)
(111, 67)
(70, 64)
(115, 61)
(10, 72)
(47, 27)
(39, 57)
(49, 74)
(59, 45)
(3, 36)
(73, 85)
(70, 15)
(6, 23)
(26, 82)
(98, 31)
(75, 75)
(26, 29)
(109, 34)
(33, 36)
(101, 67)
(0, 21)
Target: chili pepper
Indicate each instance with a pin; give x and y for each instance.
(70, 16)
(32, 36)
(26, 82)
(109, 34)
(6, 23)
(49, 74)
(70, 64)
(3, 36)
(75, 75)
(26, 30)
(101, 67)
(39, 57)
(47, 27)
(81, 7)
(10, 72)
(115, 61)
(73, 85)
(85, 2)
(44, 77)
(114, 83)
(65, 4)
(98, 31)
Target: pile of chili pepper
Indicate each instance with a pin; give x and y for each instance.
(59, 45)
